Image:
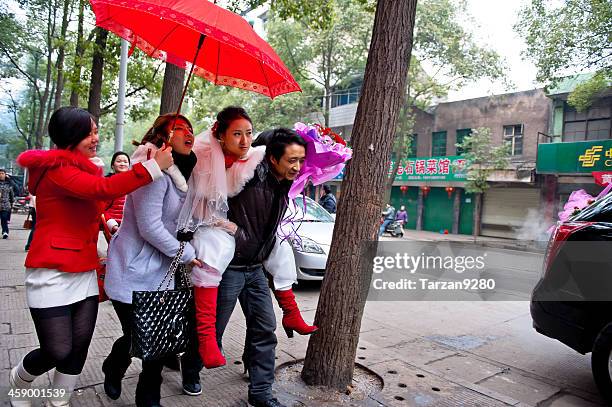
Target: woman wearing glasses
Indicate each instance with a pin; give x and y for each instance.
(140, 255)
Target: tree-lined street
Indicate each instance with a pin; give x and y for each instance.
(428, 353)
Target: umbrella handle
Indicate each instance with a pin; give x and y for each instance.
(178, 111)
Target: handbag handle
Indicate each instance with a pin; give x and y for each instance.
(174, 265)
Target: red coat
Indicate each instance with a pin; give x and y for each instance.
(114, 209)
(68, 206)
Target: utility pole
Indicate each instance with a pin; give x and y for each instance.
(121, 96)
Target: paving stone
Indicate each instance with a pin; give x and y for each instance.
(4, 360)
(522, 388)
(409, 386)
(569, 400)
(466, 367)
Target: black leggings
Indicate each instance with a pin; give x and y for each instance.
(64, 334)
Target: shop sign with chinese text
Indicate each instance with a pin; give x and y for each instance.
(448, 168)
(571, 158)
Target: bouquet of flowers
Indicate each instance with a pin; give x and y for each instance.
(326, 155)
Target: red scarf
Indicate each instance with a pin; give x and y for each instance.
(229, 160)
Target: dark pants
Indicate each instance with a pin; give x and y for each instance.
(64, 333)
(5, 216)
(251, 288)
(384, 226)
(150, 379)
(31, 235)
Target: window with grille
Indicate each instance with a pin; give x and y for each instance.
(462, 134)
(593, 124)
(438, 143)
(513, 135)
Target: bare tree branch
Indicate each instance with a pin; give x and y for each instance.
(13, 109)
(16, 65)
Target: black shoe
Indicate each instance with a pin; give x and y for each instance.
(5, 235)
(192, 388)
(271, 402)
(112, 384)
(144, 401)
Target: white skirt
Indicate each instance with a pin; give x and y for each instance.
(216, 247)
(47, 288)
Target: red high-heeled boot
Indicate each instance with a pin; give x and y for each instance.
(206, 317)
(292, 318)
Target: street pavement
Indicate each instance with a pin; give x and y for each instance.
(427, 353)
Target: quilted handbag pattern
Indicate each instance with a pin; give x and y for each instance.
(163, 319)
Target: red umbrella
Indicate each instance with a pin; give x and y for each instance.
(219, 45)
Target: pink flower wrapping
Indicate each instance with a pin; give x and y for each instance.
(325, 158)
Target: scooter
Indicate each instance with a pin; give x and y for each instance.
(395, 229)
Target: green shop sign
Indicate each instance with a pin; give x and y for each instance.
(448, 168)
(581, 157)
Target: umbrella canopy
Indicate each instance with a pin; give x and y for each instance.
(231, 54)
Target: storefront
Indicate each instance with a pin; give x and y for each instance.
(506, 210)
(431, 189)
(571, 166)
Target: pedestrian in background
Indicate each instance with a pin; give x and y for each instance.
(328, 200)
(6, 202)
(114, 208)
(402, 216)
(388, 217)
(61, 283)
(32, 204)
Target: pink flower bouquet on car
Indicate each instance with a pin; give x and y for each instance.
(326, 156)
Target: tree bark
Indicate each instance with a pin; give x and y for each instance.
(61, 54)
(420, 210)
(328, 87)
(174, 77)
(75, 82)
(477, 214)
(456, 211)
(97, 69)
(330, 358)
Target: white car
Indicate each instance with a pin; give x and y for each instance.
(314, 230)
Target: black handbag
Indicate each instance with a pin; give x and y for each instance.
(163, 320)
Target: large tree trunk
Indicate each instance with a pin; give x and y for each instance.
(97, 68)
(330, 358)
(75, 82)
(59, 89)
(171, 89)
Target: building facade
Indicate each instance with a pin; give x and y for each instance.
(430, 182)
(578, 148)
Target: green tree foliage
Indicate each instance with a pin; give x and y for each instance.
(328, 57)
(568, 37)
(482, 159)
(444, 44)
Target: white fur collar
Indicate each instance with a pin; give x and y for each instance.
(140, 155)
(242, 171)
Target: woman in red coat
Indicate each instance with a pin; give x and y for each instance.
(61, 283)
(113, 213)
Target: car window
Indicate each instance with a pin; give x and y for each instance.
(314, 211)
(599, 211)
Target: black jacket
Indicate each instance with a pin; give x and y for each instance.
(257, 210)
(328, 201)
